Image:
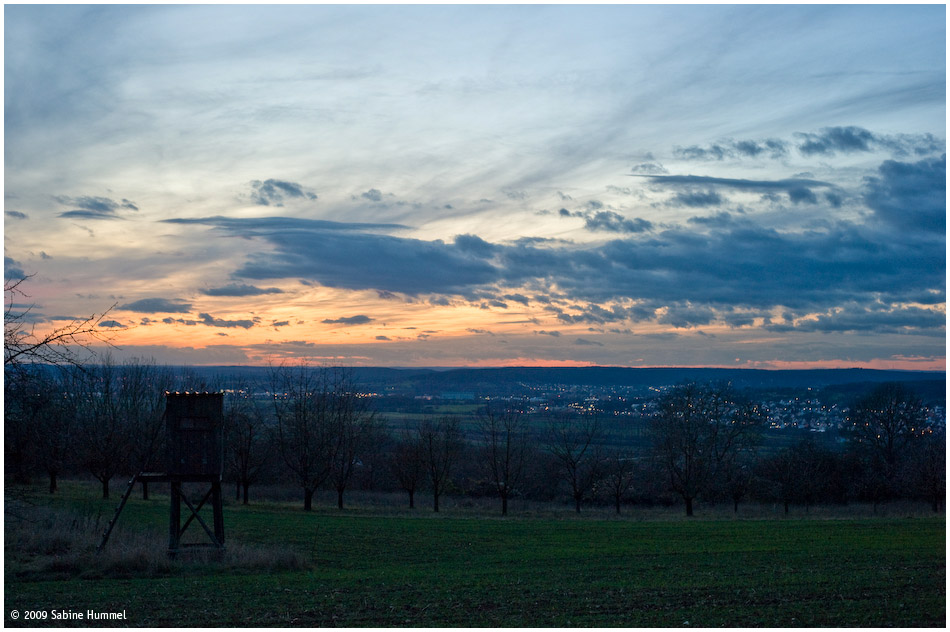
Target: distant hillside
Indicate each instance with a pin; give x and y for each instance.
(621, 376)
(511, 378)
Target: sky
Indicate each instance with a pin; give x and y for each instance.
(486, 185)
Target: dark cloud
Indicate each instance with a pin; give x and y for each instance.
(517, 298)
(157, 306)
(368, 261)
(92, 207)
(171, 321)
(802, 195)
(832, 140)
(211, 321)
(15, 214)
(649, 168)
(834, 199)
(373, 195)
(772, 147)
(349, 320)
(851, 139)
(240, 290)
(12, 269)
(474, 245)
(712, 152)
(555, 334)
(696, 199)
(616, 223)
(910, 196)
(719, 220)
(273, 192)
(589, 343)
(687, 315)
(729, 271)
(853, 318)
(608, 221)
(799, 190)
(112, 324)
(383, 338)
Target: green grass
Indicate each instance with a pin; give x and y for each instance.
(370, 569)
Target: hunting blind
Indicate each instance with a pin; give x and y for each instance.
(194, 453)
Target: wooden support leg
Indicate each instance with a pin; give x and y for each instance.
(174, 518)
(218, 507)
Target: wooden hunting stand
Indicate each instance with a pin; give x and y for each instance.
(194, 434)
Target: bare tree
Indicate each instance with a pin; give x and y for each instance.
(302, 405)
(143, 403)
(53, 430)
(22, 343)
(505, 433)
(352, 426)
(697, 430)
(37, 425)
(929, 466)
(250, 439)
(619, 470)
(112, 398)
(408, 462)
(799, 473)
(882, 426)
(572, 443)
(441, 447)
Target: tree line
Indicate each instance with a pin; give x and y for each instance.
(314, 430)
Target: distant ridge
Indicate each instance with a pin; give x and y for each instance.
(476, 379)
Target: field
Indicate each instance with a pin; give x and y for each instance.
(372, 567)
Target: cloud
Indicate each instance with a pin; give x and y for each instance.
(877, 319)
(648, 168)
(211, 321)
(799, 190)
(92, 207)
(616, 223)
(773, 147)
(273, 192)
(832, 140)
(555, 334)
(588, 343)
(349, 320)
(15, 214)
(12, 269)
(112, 324)
(696, 199)
(828, 141)
(352, 260)
(474, 245)
(517, 298)
(383, 338)
(157, 306)
(712, 269)
(910, 196)
(264, 226)
(240, 290)
(687, 315)
(373, 195)
(852, 139)
(608, 221)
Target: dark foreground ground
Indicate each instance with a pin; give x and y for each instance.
(367, 567)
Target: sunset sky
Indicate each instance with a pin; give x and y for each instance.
(742, 186)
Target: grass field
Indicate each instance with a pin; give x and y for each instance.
(365, 568)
